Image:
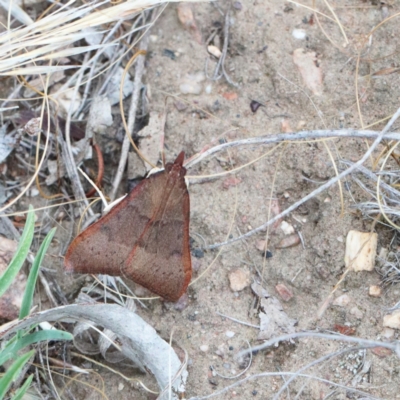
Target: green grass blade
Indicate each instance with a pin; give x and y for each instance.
(20, 255)
(22, 390)
(12, 373)
(39, 336)
(33, 274)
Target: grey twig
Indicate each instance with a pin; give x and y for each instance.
(139, 71)
(322, 188)
(221, 61)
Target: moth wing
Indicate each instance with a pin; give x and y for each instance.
(160, 260)
(106, 245)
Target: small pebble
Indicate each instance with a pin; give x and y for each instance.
(361, 250)
(226, 365)
(375, 291)
(190, 88)
(388, 333)
(342, 301)
(381, 352)
(284, 292)
(289, 241)
(120, 386)
(299, 34)
(192, 83)
(208, 89)
(261, 244)
(301, 125)
(392, 320)
(204, 348)
(287, 228)
(230, 95)
(33, 192)
(239, 279)
(254, 106)
(198, 253)
(180, 106)
(214, 51)
(230, 334)
(267, 254)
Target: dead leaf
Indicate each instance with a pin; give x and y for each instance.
(310, 72)
(273, 320)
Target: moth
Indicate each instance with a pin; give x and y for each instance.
(144, 238)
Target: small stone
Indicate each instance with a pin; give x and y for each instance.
(382, 352)
(342, 301)
(285, 126)
(204, 348)
(287, 228)
(213, 382)
(231, 181)
(180, 106)
(375, 291)
(286, 195)
(208, 89)
(284, 292)
(261, 245)
(299, 34)
(230, 95)
(361, 250)
(33, 192)
(190, 88)
(392, 320)
(357, 312)
(289, 241)
(388, 333)
(230, 334)
(226, 365)
(214, 51)
(120, 386)
(239, 280)
(301, 125)
(198, 253)
(192, 83)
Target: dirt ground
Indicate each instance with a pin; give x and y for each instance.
(260, 61)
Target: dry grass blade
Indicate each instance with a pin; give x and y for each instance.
(60, 29)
